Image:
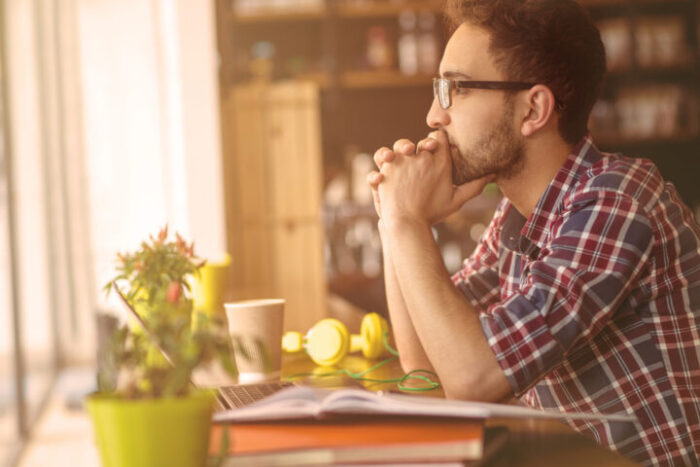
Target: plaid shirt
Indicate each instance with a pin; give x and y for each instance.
(593, 303)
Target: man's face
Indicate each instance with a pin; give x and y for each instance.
(480, 124)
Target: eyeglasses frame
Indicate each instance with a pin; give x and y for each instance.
(438, 88)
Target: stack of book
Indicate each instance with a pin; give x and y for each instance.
(303, 425)
(394, 440)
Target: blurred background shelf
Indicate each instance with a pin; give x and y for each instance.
(382, 79)
(607, 141)
(274, 16)
(634, 3)
(261, 11)
(654, 72)
(366, 79)
(384, 8)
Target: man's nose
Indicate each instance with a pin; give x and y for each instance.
(437, 116)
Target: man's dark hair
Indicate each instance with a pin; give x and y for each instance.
(550, 42)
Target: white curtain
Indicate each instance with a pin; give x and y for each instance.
(115, 132)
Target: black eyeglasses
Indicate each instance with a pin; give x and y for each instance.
(442, 88)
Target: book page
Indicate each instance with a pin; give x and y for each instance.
(288, 403)
(457, 408)
(356, 402)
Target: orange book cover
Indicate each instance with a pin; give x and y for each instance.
(381, 439)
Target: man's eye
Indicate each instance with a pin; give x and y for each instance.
(459, 90)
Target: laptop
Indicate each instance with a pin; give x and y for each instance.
(240, 395)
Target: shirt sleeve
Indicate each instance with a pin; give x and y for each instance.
(600, 246)
(478, 280)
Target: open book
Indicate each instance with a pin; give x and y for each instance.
(300, 402)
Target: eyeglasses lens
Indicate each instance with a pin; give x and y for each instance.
(441, 89)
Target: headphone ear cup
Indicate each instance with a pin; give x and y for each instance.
(327, 342)
(292, 342)
(372, 331)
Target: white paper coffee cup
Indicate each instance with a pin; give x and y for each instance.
(255, 327)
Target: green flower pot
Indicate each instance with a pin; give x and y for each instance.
(155, 432)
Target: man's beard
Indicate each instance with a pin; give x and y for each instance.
(499, 152)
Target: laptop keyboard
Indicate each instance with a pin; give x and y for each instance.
(244, 394)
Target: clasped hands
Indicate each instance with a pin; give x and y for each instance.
(413, 182)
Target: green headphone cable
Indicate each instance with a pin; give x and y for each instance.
(411, 375)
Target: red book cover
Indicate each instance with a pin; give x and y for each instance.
(353, 440)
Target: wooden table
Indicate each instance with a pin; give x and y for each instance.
(531, 442)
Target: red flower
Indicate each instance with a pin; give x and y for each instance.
(174, 292)
(162, 235)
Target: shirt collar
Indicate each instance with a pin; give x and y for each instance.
(528, 236)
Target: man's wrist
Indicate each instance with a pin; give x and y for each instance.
(393, 225)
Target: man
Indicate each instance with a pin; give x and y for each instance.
(584, 292)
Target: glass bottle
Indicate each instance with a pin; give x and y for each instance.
(427, 44)
(379, 55)
(408, 43)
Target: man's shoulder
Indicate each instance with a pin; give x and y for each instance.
(616, 175)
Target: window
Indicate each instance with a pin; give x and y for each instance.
(104, 137)
(9, 417)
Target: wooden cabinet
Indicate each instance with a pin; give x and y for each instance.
(273, 196)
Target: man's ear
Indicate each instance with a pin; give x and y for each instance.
(540, 105)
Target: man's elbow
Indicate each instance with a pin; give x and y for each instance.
(463, 390)
(409, 364)
(492, 387)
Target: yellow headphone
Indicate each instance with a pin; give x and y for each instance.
(328, 341)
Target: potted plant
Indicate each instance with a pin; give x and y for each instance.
(146, 411)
